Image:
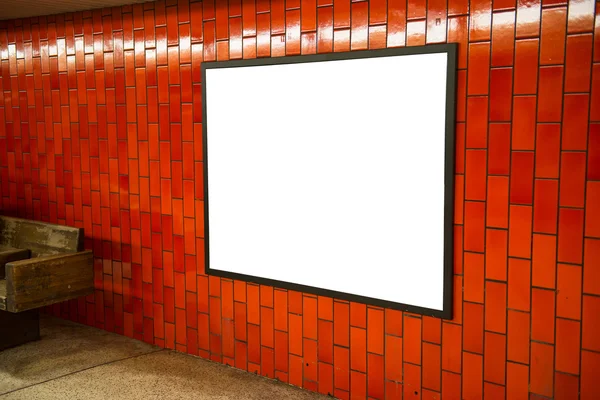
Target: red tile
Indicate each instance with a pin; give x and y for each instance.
(592, 215)
(415, 33)
(266, 327)
(459, 200)
(567, 346)
(240, 327)
(431, 366)
(451, 347)
(523, 132)
(293, 32)
(499, 149)
(519, 284)
(342, 368)
(458, 7)
(253, 304)
(412, 381)
(461, 95)
(565, 386)
(432, 330)
(412, 340)
(472, 328)
(358, 315)
(572, 179)
(527, 24)
(295, 334)
(495, 307)
(416, 9)
(393, 322)
(526, 66)
(493, 392)
(519, 231)
(541, 374)
(570, 235)
(495, 358)
(310, 360)
(358, 349)
(325, 379)
(479, 61)
(477, 116)
(500, 94)
(473, 277)
(594, 153)
(517, 379)
(474, 226)
(341, 330)
(496, 254)
(295, 375)
(249, 17)
(581, 16)
(590, 367)
(480, 20)
(550, 94)
(518, 337)
(375, 331)
(358, 384)
(310, 317)
(324, 29)
(547, 158)
(475, 175)
(309, 15)
(472, 376)
(590, 323)
(458, 33)
(545, 206)
(396, 20)
(281, 351)
(568, 298)
(503, 38)
(436, 21)
(575, 127)
(542, 315)
(595, 106)
(263, 37)
(375, 382)
(578, 63)
(521, 184)
(544, 261)
(325, 343)
(451, 385)
(341, 13)
(552, 49)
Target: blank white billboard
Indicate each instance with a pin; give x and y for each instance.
(333, 174)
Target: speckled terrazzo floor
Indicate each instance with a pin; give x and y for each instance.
(73, 361)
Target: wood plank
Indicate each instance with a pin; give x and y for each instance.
(8, 254)
(41, 238)
(43, 281)
(3, 295)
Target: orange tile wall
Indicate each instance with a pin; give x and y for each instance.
(100, 127)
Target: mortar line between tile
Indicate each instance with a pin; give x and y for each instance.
(82, 370)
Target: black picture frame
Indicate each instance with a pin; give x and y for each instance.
(451, 50)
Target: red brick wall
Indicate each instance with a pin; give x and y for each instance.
(100, 127)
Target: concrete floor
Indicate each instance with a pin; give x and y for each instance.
(73, 361)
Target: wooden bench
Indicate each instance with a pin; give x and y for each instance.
(40, 264)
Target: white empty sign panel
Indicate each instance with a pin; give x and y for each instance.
(332, 174)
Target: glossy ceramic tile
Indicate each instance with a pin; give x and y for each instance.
(100, 127)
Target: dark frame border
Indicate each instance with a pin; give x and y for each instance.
(451, 50)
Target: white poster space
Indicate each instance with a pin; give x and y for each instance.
(331, 174)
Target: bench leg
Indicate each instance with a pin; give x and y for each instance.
(18, 328)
